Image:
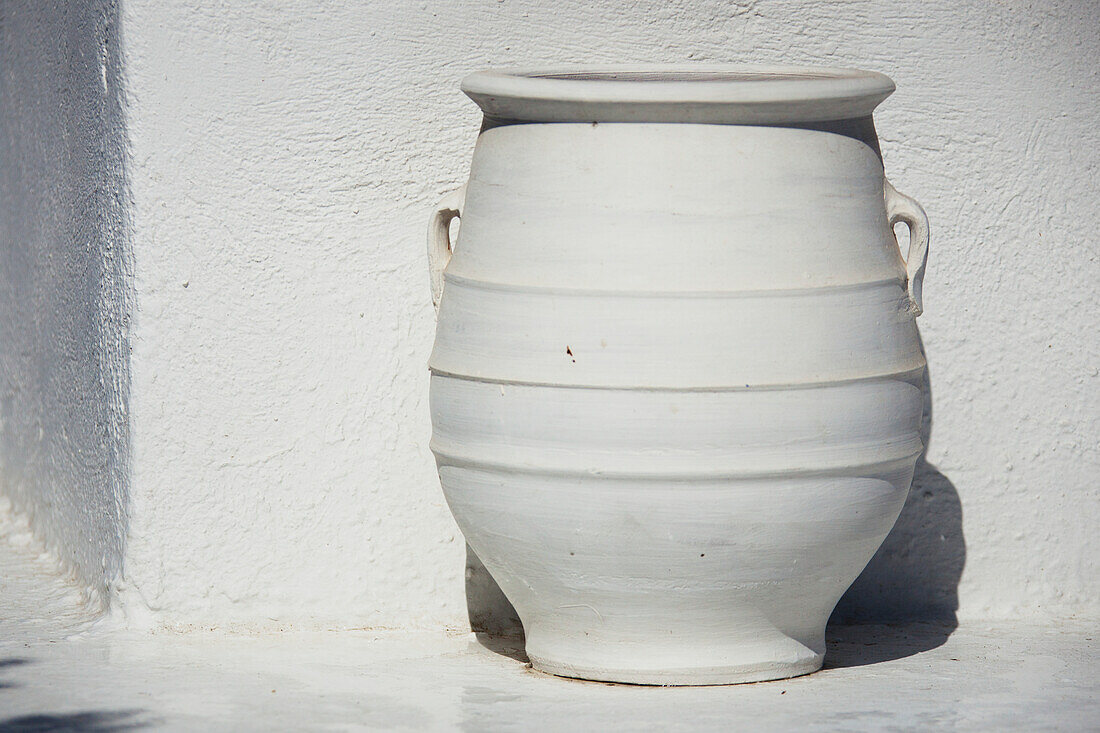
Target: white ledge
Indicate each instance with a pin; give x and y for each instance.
(56, 673)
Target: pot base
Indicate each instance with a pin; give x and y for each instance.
(694, 676)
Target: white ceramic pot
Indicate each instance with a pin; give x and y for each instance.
(675, 379)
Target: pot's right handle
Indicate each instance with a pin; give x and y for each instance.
(900, 207)
(439, 239)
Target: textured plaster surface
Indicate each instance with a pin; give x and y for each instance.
(63, 289)
(285, 156)
(56, 674)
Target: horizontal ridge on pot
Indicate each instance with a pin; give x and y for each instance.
(821, 431)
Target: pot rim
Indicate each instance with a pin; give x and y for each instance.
(717, 93)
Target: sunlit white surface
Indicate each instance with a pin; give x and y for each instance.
(59, 673)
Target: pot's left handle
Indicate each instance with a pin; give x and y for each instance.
(439, 239)
(900, 207)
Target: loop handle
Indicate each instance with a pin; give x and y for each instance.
(900, 207)
(439, 239)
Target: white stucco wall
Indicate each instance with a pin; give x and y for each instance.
(283, 160)
(63, 292)
(281, 470)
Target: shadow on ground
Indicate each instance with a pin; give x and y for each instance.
(862, 644)
(509, 645)
(5, 665)
(89, 721)
(93, 721)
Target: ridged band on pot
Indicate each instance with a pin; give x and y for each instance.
(675, 385)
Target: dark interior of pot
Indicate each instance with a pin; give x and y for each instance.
(677, 76)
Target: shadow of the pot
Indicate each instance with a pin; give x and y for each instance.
(905, 600)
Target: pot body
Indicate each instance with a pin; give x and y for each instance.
(675, 390)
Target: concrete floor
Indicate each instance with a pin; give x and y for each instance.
(59, 672)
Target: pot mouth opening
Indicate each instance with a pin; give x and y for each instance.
(684, 93)
(682, 75)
